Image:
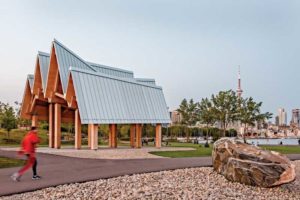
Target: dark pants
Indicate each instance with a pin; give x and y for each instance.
(31, 162)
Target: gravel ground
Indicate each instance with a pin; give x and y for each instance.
(106, 153)
(194, 183)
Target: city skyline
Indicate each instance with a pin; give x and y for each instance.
(192, 54)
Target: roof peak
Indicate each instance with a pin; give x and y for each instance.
(43, 53)
(74, 54)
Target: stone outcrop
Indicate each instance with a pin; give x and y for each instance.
(240, 162)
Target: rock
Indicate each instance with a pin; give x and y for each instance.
(250, 165)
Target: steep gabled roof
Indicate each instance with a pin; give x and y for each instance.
(67, 58)
(44, 59)
(104, 99)
(30, 78)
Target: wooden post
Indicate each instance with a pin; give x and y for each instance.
(109, 137)
(77, 130)
(138, 137)
(94, 136)
(89, 135)
(132, 135)
(113, 135)
(158, 136)
(51, 125)
(57, 126)
(34, 121)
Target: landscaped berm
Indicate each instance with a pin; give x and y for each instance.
(66, 88)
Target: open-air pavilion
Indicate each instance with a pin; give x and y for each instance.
(67, 89)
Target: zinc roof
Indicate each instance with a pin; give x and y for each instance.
(104, 99)
(44, 60)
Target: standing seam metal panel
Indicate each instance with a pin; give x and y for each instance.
(123, 102)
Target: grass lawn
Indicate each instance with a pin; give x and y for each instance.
(283, 149)
(202, 151)
(10, 162)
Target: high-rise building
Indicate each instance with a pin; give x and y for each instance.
(295, 117)
(277, 120)
(239, 90)
(282, 117)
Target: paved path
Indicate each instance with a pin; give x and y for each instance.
(57, 170)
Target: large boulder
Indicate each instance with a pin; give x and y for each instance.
(251, 165)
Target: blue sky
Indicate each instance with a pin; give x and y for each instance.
(191, 48)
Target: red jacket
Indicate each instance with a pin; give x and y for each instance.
(29, 142)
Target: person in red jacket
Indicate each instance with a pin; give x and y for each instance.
(28, 147)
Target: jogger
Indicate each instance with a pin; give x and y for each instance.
(28, 148)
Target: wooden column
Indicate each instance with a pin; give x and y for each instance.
(113, 135)
(89, 135)
(132, 135)
(57, 126)
(51, 125)
(138, 136)
(34, 121)
(158, 136)
(94, 136)
(109, 137)
(77, 130)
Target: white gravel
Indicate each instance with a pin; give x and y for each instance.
(194, 183)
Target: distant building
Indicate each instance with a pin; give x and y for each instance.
(176, 117)
(295, 118)
(239, 90)
(282, 117)
(277, 120)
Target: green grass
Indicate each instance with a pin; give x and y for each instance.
(16, 136)
(202, 152)
(283, 149)
(10, 162)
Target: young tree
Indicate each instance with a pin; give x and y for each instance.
(249, 113)
(188, 111)
(206, 114)
(8, 118)
(225, 108)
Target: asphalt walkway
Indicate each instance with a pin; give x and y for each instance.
(58, 170)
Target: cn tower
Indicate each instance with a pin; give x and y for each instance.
(239, 90)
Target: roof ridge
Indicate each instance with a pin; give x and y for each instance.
(128, 80)
(109, 67)
(43, 53)
(30, 76)
(145, 79)
(74, 54)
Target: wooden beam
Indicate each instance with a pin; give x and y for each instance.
(52, 71)
(34, 121)
(89, 135)
(77, 130)
(113, 135)
(94, 136)
(132, 135)
(158, 136)
(26, 102)
(59, 95)
(138, 135)
(37, 83)
(57, 126)
(51, 125)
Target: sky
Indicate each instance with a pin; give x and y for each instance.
(192, 48)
